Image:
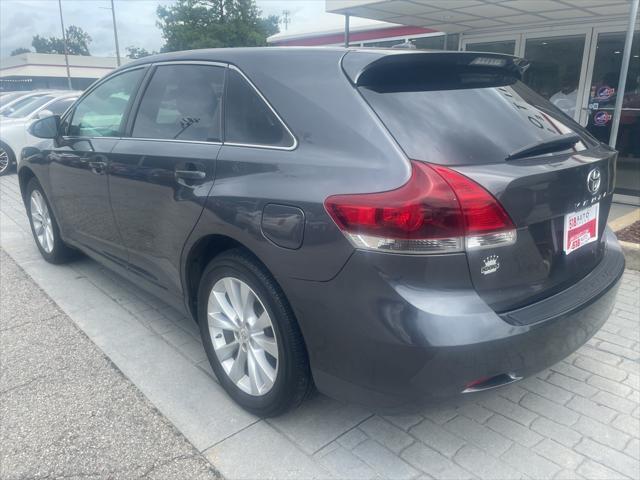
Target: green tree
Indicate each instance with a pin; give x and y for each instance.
(138, 52)
(190, 24)
(20, 50)
(77, 42)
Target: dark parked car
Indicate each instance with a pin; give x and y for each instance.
(395, 227)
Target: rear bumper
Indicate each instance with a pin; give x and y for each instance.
(394, 342)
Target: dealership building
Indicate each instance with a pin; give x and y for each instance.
(31, 71)
(576, 49)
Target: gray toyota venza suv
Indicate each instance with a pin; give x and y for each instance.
(393, 227)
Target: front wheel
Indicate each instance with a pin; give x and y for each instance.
(6, 160)
(44, 226)
(251, 336)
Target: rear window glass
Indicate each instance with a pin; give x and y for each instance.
(248, 119)
(463, 118)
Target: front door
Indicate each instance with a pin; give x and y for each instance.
(599, 109)
(79, 163)
(161, 174)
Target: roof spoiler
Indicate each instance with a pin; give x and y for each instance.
(360, 66)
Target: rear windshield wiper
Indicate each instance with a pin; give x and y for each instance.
(562, 142)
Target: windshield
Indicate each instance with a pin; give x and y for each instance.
(30, 107)
(9, 97)
(18, 104)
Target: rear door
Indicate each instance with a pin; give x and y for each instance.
(161, 174)
(473, 114)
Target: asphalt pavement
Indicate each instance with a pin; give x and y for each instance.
(66, 411)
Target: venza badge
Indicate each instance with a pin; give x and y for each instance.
(593, 181)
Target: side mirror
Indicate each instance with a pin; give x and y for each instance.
(44, 113)
(45, 127)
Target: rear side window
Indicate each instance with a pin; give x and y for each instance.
(248, 119)
(182, 102)
(463, 118)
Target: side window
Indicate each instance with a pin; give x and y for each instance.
(182, 102)
(60, 106)
(100, 113)
(248, 119)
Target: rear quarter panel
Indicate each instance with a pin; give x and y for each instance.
(341, 148)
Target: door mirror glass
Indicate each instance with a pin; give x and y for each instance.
(44, 113)
(45, 127)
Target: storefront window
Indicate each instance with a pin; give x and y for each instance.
(602, 99)
(384, 43)
(429, 43)
(555, 69)
(506, 46)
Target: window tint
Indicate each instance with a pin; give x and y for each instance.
(100, 113)
(182, 102)
(60, 106)
(248, 119)
(467, 126)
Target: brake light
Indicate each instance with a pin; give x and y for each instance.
(438, 210)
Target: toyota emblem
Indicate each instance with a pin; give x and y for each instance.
(593, 181)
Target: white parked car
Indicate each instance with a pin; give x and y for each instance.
(14, 134)
(15, 100)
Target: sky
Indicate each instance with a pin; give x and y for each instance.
(20, 20)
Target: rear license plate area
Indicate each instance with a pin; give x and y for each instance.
(580, 228)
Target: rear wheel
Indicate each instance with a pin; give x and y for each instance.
(6, 160)
(251, 337)
(44, 226)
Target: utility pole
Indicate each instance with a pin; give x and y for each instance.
(115, 33)
(286, 19)
(66, 50)
(347, 33)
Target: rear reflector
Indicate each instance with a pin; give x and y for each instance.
(437, 211)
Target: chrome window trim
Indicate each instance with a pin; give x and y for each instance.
(170, 140)
(190, 62)
(282, 122)
(230, 144)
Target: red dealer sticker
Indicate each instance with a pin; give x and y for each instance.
(580, 228)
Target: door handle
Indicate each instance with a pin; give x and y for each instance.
(98, 167)
(190, 174)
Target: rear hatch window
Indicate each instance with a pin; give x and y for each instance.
(464, 115)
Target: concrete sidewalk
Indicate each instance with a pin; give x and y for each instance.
(65, 409)
(579, 419)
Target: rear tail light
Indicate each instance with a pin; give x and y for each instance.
(437, 211)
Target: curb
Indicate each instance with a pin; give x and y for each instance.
(631, 254)
(631, 250)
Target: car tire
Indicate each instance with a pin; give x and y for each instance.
(268, 318)
(7, 159)
(44, 226)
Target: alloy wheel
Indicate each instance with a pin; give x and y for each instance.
(4, 160)
(42, 222)
(242, 336)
